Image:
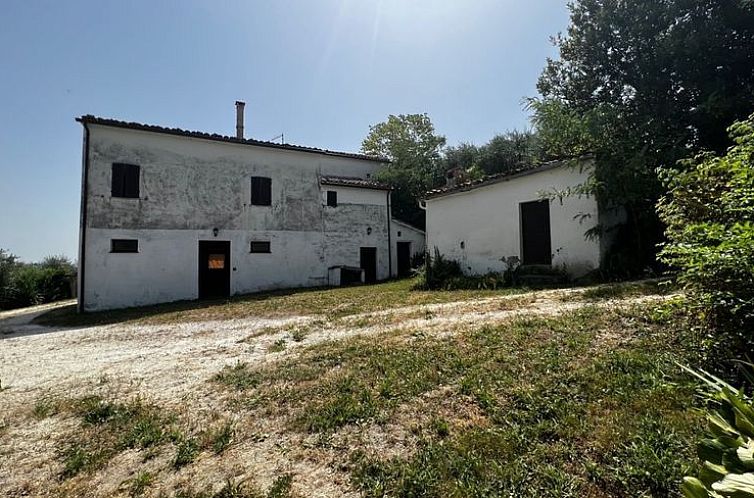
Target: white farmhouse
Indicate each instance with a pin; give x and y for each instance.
(482, 223)
(171, 215)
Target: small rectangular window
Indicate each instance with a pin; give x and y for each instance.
(216, 261)
(261, 191)
(124, 245)
(332, 198)
(260, 246)
(125, 180)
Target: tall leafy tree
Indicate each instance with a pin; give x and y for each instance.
(414, 148)
(509, 151)
(643, 83)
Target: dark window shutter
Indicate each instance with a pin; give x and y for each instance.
(260, 246)
(261, 191)
(332, 198)
(124, 245)
(125, 180)
(118, 186)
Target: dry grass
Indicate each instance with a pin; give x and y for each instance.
(330, 302)
(447, 394)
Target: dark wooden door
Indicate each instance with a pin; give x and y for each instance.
(214, 269)
(535, 233)
(369, 264)
(404, 259)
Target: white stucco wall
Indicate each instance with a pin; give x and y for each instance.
(487, 221)
(403, 232)
(189, 186)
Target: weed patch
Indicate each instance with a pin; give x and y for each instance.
(108, 428)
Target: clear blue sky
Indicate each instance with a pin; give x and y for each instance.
(321, 71)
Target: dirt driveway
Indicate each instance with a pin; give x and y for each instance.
(170, 364)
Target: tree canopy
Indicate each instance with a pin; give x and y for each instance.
(642, 84)
(419, 158)
(413, 147)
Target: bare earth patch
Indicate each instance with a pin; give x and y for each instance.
(170, 365)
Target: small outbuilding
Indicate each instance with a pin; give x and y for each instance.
(523, 214)
(409, 243)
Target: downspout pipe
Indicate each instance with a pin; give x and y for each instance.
(83, 222)
(389, 239)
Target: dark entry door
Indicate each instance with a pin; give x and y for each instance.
(404, 259)
(535, 233)
(214, 269)
(369, 264)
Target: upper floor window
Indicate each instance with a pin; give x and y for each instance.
(332, 198)
(261, 191)
(125, 180)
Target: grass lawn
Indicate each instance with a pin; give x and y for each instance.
(585, 404)
(584, 400)
(331, 302)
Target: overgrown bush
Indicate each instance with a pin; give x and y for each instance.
(709, 213)
(437, 271)
(25, 284)
(728, 451)
(441, 273)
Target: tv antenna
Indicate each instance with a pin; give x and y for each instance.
(280, 137)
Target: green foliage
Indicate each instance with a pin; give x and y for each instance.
(560, 416)
(107, 429)
(640, 84)
(728, 450)
(7, 264)
(277, 346)
(437, 272)
(221, 437)
(504, 153)
(281, 487)
(239, 376)
(140, 483)
(709, 213)
(23, 284)
(440, 273)
(410, 142)
(186, 451)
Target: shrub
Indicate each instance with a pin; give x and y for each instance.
(709, 213)
(24, 284)
(728, 451)
(440, 273)
(437, 271)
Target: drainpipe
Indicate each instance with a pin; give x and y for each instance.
(389, 240)
(82, 227)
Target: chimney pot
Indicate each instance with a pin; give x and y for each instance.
(239, 118)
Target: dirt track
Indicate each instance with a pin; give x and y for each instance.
(172, 363)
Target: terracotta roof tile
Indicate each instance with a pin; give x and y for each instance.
(498, 178)
(351, 181)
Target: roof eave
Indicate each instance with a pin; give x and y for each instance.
(90, 119)
(467, 187)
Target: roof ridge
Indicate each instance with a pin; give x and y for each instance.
(89, 118)
(503, 176)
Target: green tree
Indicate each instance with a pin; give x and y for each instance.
(413, 147)
(510, 151)
(8, 262)
(642, 83)
(709, 213)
